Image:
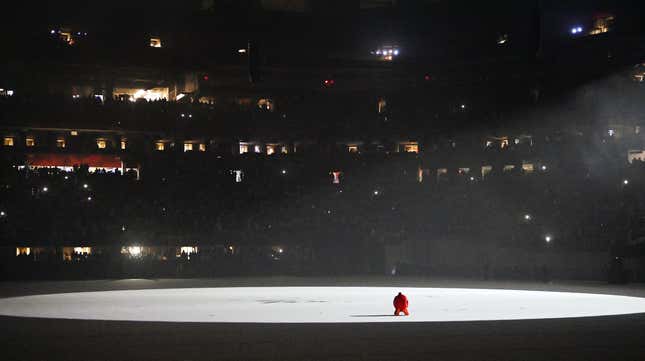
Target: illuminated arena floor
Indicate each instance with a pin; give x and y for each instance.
(348, 319)
(317, 304)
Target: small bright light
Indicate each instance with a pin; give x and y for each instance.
(123, 228)
(183, 115)
(284, 171)
(543, 167)
(376, 192)
(53, 32)
(625, 182)
(45, 189)
(472, 178)
(463, 106)
(85, 186)
(2, 214)
(280, 250)
(579, 28)
(89, 198)
(378, 52)
(241, 51)
(396, 52)
(66, 177)
(527, 217)
(548, 238)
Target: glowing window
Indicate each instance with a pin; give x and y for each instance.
(133, 251)
(352, 148)
(270, 149)
(508, 168)
(160, 146)
(266, 104)
(244, 148)
(602, 24)
(257, 149)
(486, 170)
(504, 143)
(382, 105)
(411, 148)
(238, 175)
(202, 147)
(30, 142)
(188, 147)
(284, 149)
(82, 250)
(611, 132)
(101, 144)
(186, 250)
(155, 42)
(8, 142)
(73, 132)
(336, 176)
(60, 143)
(527, 167)
(123, 144)
(23, 251)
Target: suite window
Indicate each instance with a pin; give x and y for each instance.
(155, 42)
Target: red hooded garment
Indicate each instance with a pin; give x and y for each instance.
(400, 302)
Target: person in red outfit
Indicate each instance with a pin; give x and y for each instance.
(401, 304)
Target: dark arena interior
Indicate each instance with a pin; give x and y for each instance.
(258, 180)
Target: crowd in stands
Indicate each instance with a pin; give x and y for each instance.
(323, 227)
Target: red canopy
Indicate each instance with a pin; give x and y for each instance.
(70, 160)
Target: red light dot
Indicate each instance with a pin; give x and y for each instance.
(427, 77)
(205, 77)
